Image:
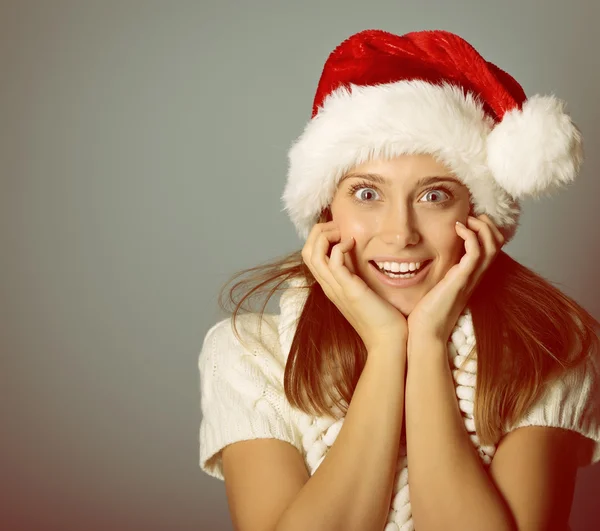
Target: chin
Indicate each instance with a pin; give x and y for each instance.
(404, 307)
(403, 299)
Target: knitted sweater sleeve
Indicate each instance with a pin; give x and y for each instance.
(241, 389)
(572, 403)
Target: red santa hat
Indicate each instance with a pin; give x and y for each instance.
(381, 95)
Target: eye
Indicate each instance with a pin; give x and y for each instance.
(363, 194)
(366, 194)
(435, 192)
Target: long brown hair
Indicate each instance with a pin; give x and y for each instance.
(527, 334)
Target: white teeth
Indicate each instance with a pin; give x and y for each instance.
(397, 267)
(410, 274)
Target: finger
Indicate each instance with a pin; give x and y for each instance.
(495, 230)
(308, 251)
(324, 242)
(489, 246)
(315, 234)
(317, 229)
(485, 236)
(468, 263)
(352, 285)
(337, 262)
(349, 261)
(319, 261)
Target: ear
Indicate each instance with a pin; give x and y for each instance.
(325, 215)
(471, 207)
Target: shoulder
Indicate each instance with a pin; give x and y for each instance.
(253, 352)
(241, 388)
(571, 402)
(250, 326)
(256, 336)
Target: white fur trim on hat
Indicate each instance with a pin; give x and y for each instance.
(361, 123)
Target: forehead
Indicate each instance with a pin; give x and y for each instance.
(404, 170)
(405, 165)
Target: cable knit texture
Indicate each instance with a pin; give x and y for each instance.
(242, 398)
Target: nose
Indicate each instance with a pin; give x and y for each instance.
(398, 227)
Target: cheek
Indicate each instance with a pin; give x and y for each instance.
(360, 228)
(447, 241)
(352, 224)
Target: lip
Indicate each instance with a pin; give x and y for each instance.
(396, 259)
(401, 282)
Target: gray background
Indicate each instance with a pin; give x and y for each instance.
(143, 154)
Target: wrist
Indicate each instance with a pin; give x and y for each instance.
(428, 346)
(388, 348)
(385, 337)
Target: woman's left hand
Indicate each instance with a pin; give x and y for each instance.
(436, 314)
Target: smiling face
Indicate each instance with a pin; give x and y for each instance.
(401, 210)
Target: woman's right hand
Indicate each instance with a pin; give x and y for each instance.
(375, 320)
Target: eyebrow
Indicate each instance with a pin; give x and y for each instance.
(379, 179)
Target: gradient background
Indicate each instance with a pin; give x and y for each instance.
(143, 154)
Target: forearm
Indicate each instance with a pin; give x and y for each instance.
(449, 488)
(352, 488)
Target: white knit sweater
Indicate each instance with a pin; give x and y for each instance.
(242, 398)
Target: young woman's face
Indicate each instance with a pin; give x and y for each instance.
(396, 216)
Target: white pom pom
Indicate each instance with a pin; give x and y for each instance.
(535, 150)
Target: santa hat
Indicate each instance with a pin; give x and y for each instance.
(381, 95)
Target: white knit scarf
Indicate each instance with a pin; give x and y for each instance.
(319, 433)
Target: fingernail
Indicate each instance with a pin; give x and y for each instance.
(459, 223)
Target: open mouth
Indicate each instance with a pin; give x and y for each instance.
(398, 274)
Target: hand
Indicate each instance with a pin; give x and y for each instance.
(436, 314)
(375, 320)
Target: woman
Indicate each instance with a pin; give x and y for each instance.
(406, 184)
